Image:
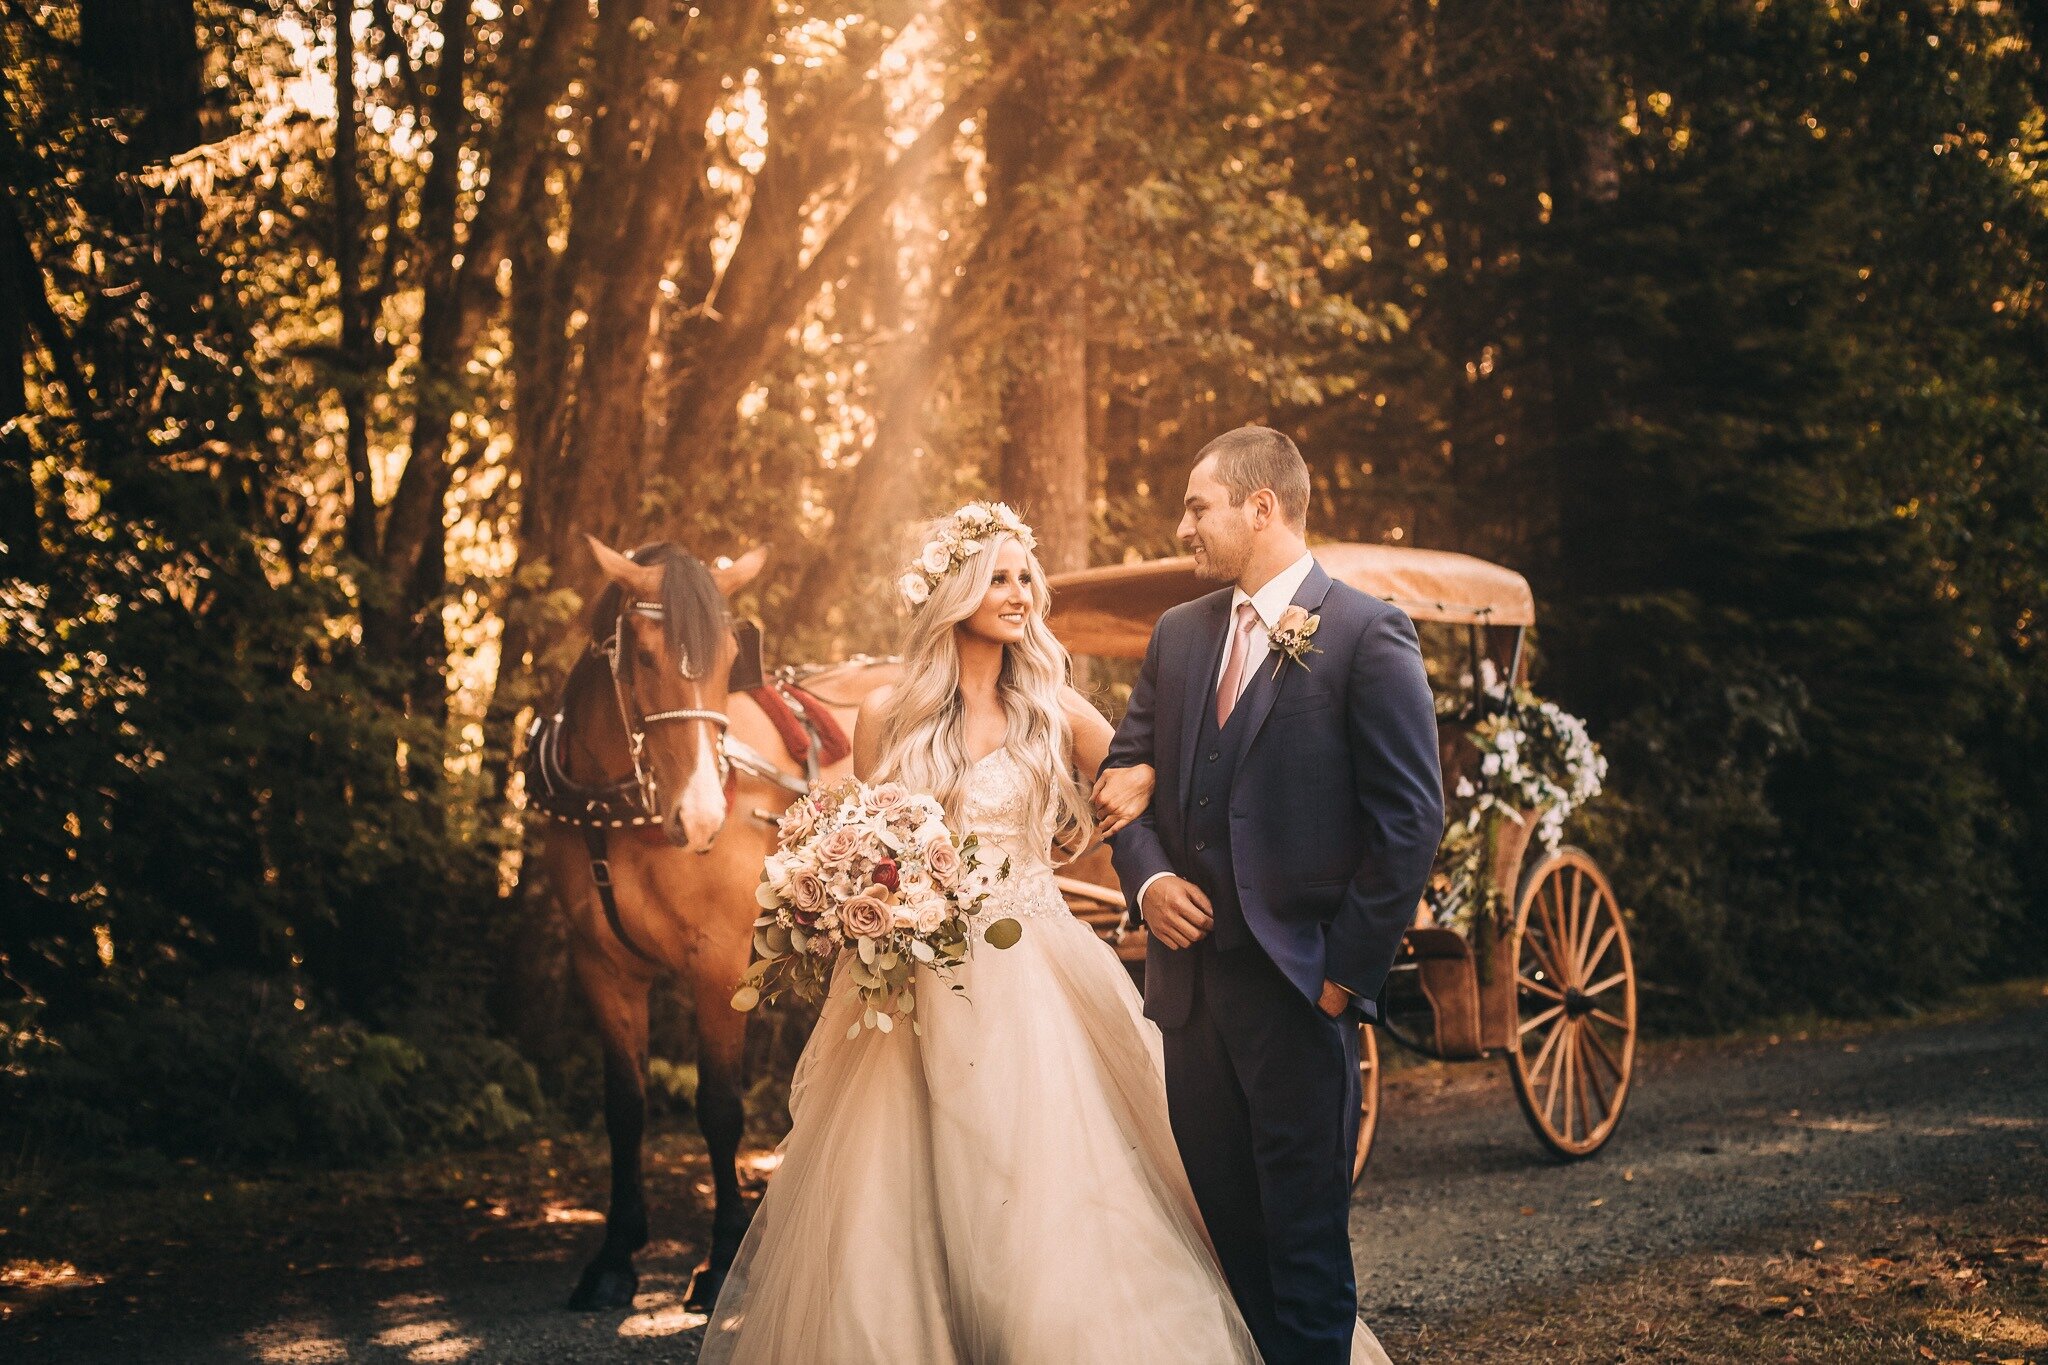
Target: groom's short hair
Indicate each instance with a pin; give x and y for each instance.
(1252, 458)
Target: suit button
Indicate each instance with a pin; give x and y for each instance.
(1203, 802)
(1201, 844)
(1213, 755)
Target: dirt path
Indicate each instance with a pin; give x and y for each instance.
(1460, 1211)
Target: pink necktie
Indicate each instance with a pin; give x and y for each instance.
(1233, 669)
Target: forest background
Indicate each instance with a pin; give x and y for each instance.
(327, 331)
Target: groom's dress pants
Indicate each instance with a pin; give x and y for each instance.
(1264, 1092)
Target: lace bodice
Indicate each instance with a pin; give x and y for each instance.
(995, 809)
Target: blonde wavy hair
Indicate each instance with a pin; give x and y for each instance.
(923, 733)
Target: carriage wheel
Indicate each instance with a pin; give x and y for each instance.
(1575, 994)
(1368, 1097)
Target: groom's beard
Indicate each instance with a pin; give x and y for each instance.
(1212, 567)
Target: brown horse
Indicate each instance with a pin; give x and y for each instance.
(664, 785)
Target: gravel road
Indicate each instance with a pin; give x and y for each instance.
(1459, 1210)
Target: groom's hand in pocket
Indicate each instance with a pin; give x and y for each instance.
(1176, 912)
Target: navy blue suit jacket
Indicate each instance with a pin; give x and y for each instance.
(1337, 803)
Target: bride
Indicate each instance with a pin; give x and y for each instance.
(1004, 1187)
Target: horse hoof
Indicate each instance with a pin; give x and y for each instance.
(603, 1287)
(705, 1283)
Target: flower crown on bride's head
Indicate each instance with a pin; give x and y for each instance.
(959, 538)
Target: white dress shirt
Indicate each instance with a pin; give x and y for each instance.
(1267, 603)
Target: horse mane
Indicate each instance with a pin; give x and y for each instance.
(692, 607)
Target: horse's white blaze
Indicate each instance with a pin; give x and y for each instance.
(703, 805)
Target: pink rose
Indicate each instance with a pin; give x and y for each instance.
(942, 860)
(887, 797)
(864, 917)
(798, 823)
(806, 890)
(1294, 618)
(931, 917)
(838, 847)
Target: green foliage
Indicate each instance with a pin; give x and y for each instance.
(202, 779)
(1780, 448)
(237, 1070)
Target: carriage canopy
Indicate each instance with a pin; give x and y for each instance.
(1109, 612)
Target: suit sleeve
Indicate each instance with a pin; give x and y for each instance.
(1392, 724)
(1136, 849)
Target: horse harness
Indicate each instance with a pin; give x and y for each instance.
(632, 801)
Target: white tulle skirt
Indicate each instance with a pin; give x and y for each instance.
(1003, 1190)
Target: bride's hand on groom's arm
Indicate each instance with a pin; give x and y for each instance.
(1176, 912)
(1121, 795)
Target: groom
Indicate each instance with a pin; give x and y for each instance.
(1289, 838)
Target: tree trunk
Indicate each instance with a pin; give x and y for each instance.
(1583, 419)
(1044, 469)
(412, 529)
(361, 527)
(880, 493)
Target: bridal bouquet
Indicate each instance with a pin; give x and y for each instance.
(876, 873)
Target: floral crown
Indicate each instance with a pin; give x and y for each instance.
(960, 537)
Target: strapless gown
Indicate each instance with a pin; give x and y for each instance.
(1002, 1190)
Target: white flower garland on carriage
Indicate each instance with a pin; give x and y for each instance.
(1534, 756)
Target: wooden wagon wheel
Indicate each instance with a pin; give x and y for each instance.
(1368, 1097)
(1575, 995)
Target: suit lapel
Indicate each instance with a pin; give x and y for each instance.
(1206, 657)
(1265, 688)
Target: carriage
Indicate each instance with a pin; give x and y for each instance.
(1547, 983)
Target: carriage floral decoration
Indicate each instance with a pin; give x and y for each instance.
(1533, 756)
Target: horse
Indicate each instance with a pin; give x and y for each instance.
(663, 784)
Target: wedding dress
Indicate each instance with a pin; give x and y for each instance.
(1003, 1189)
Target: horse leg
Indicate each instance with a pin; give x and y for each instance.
(619, 1003)
(722, 1118)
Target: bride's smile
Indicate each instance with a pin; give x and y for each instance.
(1006, 607)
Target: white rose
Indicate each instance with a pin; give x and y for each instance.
(931, 917)
(915, 589)
(936, 559)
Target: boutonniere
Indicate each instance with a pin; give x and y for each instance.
(1293, 637)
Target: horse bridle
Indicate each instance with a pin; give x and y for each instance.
(638, 725)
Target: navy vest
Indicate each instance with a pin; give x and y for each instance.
(1208, 822)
